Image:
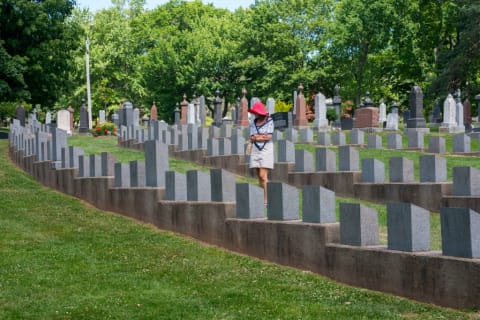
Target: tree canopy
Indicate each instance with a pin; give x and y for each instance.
(188, 47)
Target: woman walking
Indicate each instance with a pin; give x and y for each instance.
(261, 157)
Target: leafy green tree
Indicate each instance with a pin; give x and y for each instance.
(35, 49)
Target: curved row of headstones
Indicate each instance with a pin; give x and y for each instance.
(408, 225)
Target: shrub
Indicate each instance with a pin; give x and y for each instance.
(104, 129)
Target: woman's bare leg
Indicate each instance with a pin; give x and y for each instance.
(262, 181)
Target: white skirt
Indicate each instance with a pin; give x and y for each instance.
(262, 158)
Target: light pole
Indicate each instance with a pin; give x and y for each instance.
(87, 68)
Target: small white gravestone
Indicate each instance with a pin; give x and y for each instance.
(48, 118)
(383, 113)
(63, 120)
(271, 106)
(191, 114)
(321, 121)
(136, 117)
(449, 114)
(392, 121)
(101, 115)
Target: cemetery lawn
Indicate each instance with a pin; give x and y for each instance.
(63, 259)
(110, 144)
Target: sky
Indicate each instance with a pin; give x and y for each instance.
(95, 5)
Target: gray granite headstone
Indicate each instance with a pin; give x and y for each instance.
(408, 227)
(415, 139)
(238, 143)
(436, 145)
(156, 163)
(95, 165)
(348, 159)
(466, 181)
(373, 171)
(223, 185)
(282, 201)
(249, 200)
(303, 161)
(20, 114)
(193, 138)
(64, 158)
(338, 138)
(323, 138)
(374, 141)
(224, 146)
(83, 166)
(137, 173)
(318, 205)
(433, 168)
(59, 141)
(394, 141)
(401, 170)
(213, 148)
(202, 138)
(286, 151)
(416, 119)
(358, 225)
(176, 186)
(461, 143)
(198, 186)
(73, 156)
(122, 175)
(325, 160)
(226, 130)
(291, 134)
(306, 135)
(108, 163)
(460, 232)
(357, 137)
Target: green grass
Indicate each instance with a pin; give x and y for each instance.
(62, 259)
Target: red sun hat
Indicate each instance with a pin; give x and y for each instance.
(258, 108)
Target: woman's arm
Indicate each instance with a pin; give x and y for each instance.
(261, 137)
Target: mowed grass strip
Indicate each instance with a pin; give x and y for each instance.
(62, 259)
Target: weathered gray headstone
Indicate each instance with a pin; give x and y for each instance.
(338, 138)
(192, 137)
(436, 145)
(63, 121)
(323, 138)
(101, 116)
(415, 139)
(108, 163)
(303, 161)
(48, 118)
(224, 146)
(238, 143)
(374, 141)
(358, 225)
(198, 186)
(401, 170)
(286, 151)
(20, 114)
(213, 148)
(394, 141)
(73, 156)
(318, 205)
(156, 163)
(137, 173)
(325, 160)
(59, 141)
(466, 181)
(223, 185)
(460, 232)
(373, 171)
(357, 137)
(282, 201)
(95, 165)
(83, 125)
(408, 227)
(63, 156)
(249, 201)
(83, 166)
(433, 168)
(271, 106)
(122, 175)
(320, 122)
(202, 138)
(175, 186)
(348, 159)
(382, 113)
(306, 135)
(291, 134)
(461, 143)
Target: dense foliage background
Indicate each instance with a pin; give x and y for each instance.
(380, 46)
